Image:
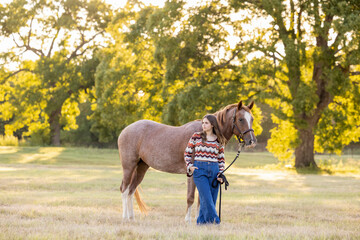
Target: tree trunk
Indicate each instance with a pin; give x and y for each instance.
(304, 153)
(54, 122)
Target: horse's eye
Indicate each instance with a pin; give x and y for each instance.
(240, 120)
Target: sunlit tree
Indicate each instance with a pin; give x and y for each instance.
(59, 37)
(307, 72)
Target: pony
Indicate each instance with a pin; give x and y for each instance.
(146, 143)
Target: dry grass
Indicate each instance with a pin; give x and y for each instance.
(57, 193)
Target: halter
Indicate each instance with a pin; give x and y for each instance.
(241, 136)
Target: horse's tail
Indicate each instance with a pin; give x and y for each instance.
(142, 206)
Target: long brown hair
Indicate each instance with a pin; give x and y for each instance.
(216, 130)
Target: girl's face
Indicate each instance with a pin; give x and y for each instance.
(206, 125)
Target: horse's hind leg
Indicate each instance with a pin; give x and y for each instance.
(190, 197)
(129, 164)
(128, 171)
(136, 179)
(138, 175)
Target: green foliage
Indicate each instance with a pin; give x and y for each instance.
(39, 136)
(22, 103)
(283, 140)
(339, 124)
(81, 136)
(307, 100)
(42, 95)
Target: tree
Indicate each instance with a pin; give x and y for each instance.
(171, 54)
(312, 83)
(61, 35)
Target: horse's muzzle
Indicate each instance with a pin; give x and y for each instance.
(250, 144)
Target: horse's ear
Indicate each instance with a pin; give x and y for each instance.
(251, 105)
(240, 105)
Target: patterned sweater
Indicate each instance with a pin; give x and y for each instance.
(211, 151)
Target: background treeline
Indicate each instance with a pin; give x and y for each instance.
(76, 72)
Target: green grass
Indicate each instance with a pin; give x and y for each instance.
(59, 156)
(73, 193)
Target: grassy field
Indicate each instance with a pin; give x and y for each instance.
(73, 193)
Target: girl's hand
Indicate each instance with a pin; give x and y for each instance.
(221, 180)
(192, 169)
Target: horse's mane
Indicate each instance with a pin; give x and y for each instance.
(221, 114)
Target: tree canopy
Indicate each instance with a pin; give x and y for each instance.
(42, 94)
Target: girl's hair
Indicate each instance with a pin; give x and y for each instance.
(216, 130)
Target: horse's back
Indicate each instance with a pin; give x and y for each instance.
(158, 145)
(139, 129)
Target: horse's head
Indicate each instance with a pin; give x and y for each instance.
(242, 124)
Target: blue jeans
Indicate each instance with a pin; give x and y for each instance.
(203, 177)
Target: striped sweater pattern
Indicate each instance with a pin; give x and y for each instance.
(211, 151)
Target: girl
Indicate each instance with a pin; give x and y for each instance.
(208, 149)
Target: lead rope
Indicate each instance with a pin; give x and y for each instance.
(215, 182)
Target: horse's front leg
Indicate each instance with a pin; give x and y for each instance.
(190, 197)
